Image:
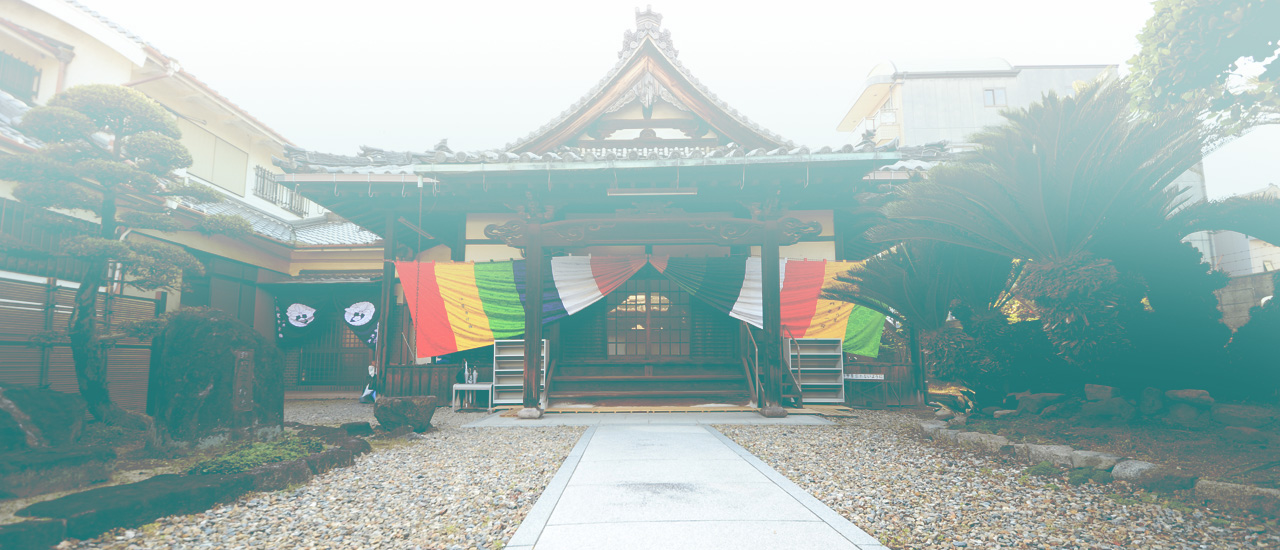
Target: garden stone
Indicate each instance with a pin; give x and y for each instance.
(1130, 470)
(944, 414)
(1114, 408)
(415, 412)
(1245, 435)
(278, 475)
(356, 445)
(990, 411)
(1257, 500)
(357, 428)
(1036, 402)
(39, 471)
(958, 420)
(1058, 455)
(32, 417)
(95, 511)
(1153, 477)
(1185, 415)
(1152, 401)
(930, 427)
(1097, 392)
(1199, 398)
(1004, 413)
(322, 462)
(1060, 410)
(1245, 416)
(987, 443)
(1094, 459)
(1022, 451)
(947, 435)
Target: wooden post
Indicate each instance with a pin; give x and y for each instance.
(770, 279)
(383, 347)
(532, 320)
(917, 364)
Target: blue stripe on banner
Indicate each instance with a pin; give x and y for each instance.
(552, 306)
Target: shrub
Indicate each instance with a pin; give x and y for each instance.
(1043, 469)
(289, 447)
(1080, 476)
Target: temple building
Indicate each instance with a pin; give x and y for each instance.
(682, 253)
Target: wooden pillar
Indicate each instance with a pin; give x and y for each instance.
(917, 364)
(384, 346)
(532, 320)
(771, 346)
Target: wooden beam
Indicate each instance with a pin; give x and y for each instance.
(772, 343)
(532, 320)
(416, 229)
(384, 345)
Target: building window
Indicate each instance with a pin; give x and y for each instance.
(994, 97)
(19, 79)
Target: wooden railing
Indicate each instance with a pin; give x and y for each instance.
(409, 380)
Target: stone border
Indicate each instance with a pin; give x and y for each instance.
(526, 535)
(44, 532)
(1233, 496)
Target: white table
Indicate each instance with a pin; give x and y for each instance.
(486, 387)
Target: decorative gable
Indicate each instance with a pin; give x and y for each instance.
(649, 103)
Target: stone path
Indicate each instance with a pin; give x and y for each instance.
(666, 485)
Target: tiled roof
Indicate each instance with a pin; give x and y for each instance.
(170, 61)
(332, 277)
(378, 161)
(312, 232)
(11, 111)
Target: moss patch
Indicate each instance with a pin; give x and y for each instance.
(1080, 476)
(1043, 469)
(289, 447)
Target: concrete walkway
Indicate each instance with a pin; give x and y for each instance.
(664, 486)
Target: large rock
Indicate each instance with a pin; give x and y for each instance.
(93, 512)
(986, 443)
(1185, 415)
(216, 380)
(279, 475)
(32, 418)
(1094, 459)
(1096, 392)
(1035, 402)
(322, 462)
(1151, 402)
(1113, 408)
(39, 471)
(1058, 455)
(1004, 413)
(944, 414)
(1153, 477)
(1199, 398)
(1256, 500)
(415, 412)
(929, 427)
(1244, 416)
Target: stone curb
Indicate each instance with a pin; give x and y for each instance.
(44, 532)
(1232, 496)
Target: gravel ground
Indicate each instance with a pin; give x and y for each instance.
(332, 412)
(454, 488)
(915, 494)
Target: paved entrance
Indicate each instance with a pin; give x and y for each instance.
(665, 486)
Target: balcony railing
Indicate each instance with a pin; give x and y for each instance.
(265, 186)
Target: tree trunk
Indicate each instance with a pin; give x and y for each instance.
(87, 351)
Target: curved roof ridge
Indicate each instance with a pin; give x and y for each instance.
(648, 29)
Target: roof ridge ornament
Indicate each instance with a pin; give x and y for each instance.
(648, 23)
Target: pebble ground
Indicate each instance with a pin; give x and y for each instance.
(916, 494)
(452, 488)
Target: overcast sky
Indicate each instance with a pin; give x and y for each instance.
(332, 76)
